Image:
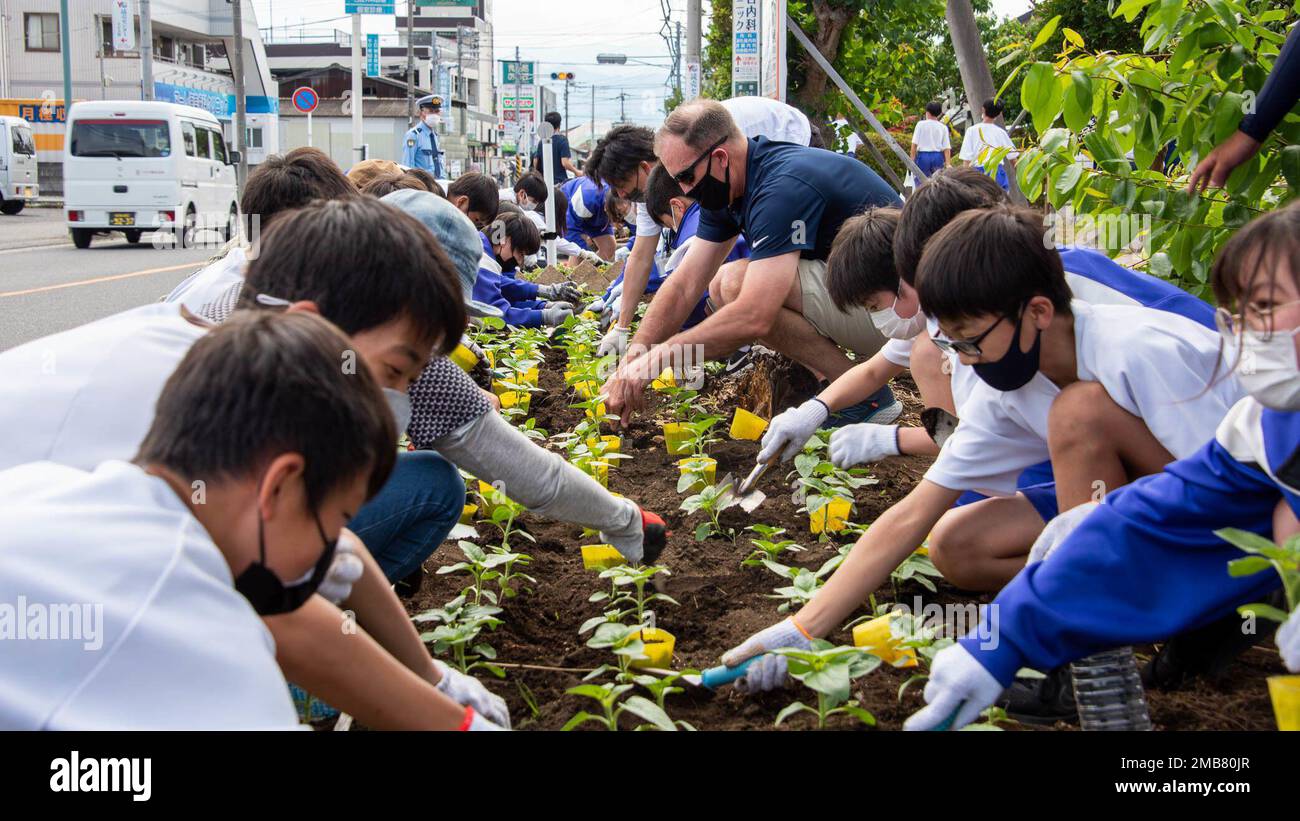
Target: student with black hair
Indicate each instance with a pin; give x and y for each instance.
(477, 197)
(931, 144)
(383, 279)
(531, 195)
(1145, 564)
(506, 243)
(988, 135)
(1109, 392)
(586, 222)
(559, 151)
(261, 449)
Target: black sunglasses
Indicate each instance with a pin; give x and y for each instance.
(971, 347)
(687, 175)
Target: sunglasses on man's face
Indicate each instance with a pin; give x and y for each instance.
(687, 175)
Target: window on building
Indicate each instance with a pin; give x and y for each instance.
(252, 137)
(41, 32)
(164, 48)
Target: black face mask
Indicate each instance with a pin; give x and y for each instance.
(1014, 370)
(507, 265)
(270, 596)
(711, 193)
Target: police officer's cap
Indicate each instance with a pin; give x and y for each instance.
(430, 101)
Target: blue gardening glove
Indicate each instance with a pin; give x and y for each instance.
(959, 689)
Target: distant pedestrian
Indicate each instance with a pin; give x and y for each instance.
(931, 145)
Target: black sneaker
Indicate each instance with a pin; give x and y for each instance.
(738, 361)
(409, 586)
(1044, 700)
(1204, 652)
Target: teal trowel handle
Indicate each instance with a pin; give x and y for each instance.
(715, 677)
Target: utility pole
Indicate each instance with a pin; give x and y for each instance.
(410, 63)
(146, 50)
(622, 109)
(65, 35)
(592, 138)
(241, 95)
(567, 83)
(678, 59)
(693, 15)
(358, 136)
(519, 121)
(4, 49)
(460, 76)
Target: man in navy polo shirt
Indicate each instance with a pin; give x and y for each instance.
(789, 201)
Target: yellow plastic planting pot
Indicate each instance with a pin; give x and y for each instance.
(531, 376)
(520, 399)
(600, 411)
(587, 315)
(745, 425)
(467, 514)
(492, 360)
(464, 357)
(601, 557)
(612, 443)
(658, 648)
(697, 464)
(875, 636)
(675, 435)
(1285, 692)
(831, 518)
(666, 379)
(598, 471)
(586, 388)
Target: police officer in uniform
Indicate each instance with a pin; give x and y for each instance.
(421, 149)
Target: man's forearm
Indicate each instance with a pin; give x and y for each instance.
(726, 330)
(345, 667)
(636, 275)
(891, 539)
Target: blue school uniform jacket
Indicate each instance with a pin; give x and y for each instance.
(1146, 564)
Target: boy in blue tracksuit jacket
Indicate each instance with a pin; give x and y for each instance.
(522, 304)
(586, 215)
(1146, 564)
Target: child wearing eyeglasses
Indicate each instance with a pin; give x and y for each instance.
(1108, 392)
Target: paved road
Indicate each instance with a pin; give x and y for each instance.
(47, 285)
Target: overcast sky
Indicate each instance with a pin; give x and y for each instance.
(561, 35)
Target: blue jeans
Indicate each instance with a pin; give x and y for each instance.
(412, 513)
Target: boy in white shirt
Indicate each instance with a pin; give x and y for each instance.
(988, 135)
(1110, 392)
(261, 450)
(931, 144)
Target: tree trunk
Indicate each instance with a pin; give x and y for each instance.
(831, 22)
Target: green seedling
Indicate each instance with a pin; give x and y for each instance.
(624, 641)
(768, 547)
(633, 580)
(461, 624)
(683, 403)
(607, 696)
(820, 482)
(918, 568)
(1266, 554)
(530, 429)
(804, 583)
(713, 500)
(829, 671)
(482, 567)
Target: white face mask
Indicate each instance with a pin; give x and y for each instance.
(1267, 368)
(399, 402)
(432, 120)
(889, 323)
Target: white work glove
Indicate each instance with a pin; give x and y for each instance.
(614, 342)
(470, 692)
(771, 671)
(792, 429)
(1288, 642)
(596, 305)
(479, 724)
(959, 688)
(592, 256)
(1058, 530)
(560, 292)
(864, 442)
(556, 313)
(345, 568)
(622, 254)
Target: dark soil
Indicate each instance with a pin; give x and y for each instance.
(722, 603)
(585, 274)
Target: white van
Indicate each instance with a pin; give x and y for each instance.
(18, 177)
(145, 166)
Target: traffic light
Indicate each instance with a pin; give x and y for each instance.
(561, 75)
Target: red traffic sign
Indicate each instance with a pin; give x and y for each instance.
(306, 99)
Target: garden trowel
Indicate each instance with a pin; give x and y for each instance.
(712, 678)
(749, 497)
